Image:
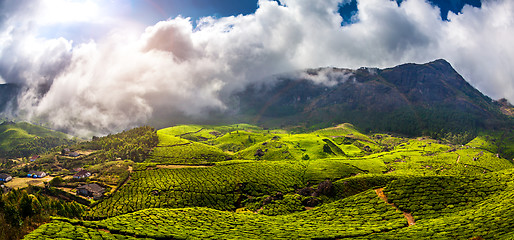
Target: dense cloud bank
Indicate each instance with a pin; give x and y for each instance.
(119, 81)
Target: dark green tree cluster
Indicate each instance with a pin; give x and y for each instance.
(134, 144)
(38, 145)
(23, 210)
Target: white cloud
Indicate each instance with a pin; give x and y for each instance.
(66, 11)
(173, 69)
(478, 43)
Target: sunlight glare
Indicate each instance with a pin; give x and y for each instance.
(68, 11)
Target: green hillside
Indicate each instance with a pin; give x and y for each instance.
(442, 208)
(23, 139)
(244, 182)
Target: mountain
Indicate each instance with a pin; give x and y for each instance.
(8, 96)
(412, 99)
(506, 107)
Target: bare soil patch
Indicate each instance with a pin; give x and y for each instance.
(85, 152)
(21, 182)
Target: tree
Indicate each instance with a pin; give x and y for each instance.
(56, 181)
(36, 205)
(12, 216)
(25, 207)
(327, 149)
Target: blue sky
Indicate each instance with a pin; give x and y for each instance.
(349, 8)
(151, 11)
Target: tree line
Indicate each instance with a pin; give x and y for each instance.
(21, 211)
(134, 144)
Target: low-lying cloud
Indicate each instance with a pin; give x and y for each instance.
(173, 68)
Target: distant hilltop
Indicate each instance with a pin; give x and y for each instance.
(412, 99)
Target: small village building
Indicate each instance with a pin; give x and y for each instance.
(4, 189)
(73, 154)
(82, 174)
(36, 174)
(4, 177)
(65, 151)
(34, 158)
(91, 190)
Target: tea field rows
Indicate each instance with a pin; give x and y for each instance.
(476, 210)
(244, 182)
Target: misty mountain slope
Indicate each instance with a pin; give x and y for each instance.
(8, 97)
(410, 98)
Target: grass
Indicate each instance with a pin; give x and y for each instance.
(22, 182)
(443, 208)
(239, 140)
(176, 150)
(501, 143)
(218, 187)
(67, 229)
(244, 182)
(333, 169)
(343, 130)
(112, 172)
(360, 215)
(12, 135)
(190, 153)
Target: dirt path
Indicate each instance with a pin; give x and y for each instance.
(175, 145)
(125, 181)
(408, 216)
(183, 134)
(104, 230)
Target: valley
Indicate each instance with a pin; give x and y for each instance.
(408, 152)
(256, 119)
(245, 182)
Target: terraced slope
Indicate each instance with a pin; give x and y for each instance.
(194, 144)
(357, 216)
(443, 208)
(243, 182)
(177, 150)
(216, 187)
(221, 187)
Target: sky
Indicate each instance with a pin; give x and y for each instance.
(100, 66)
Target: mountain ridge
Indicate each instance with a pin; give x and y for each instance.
(413, 99)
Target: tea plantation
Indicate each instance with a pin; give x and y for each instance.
(244, 182)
